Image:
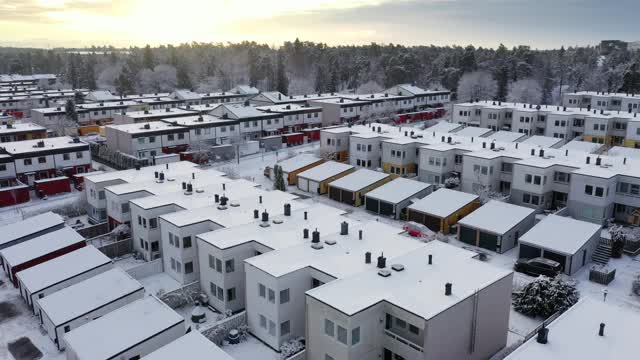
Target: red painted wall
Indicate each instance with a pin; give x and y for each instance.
(53, 187)
(14, 196)
(52, 255)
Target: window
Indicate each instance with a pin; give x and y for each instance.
(67, 328)
(272, 296)
(219, 266)
(125, 207)
(176, 241)
(152, 139)
(263, 322)
(140, 140)
(328, 327)
(599, 192)
(155, 246)
(188, 267)
(212, 260)
(272, 328)
(262, 290)
(220, 293)
(66, 157)
(355, 336)
(26, 161)
(153, 223)
(588, 189)
(342, 335)
(507, 167)
(401, 323)
(180, 136)
(285, 328)
(414, 329)
(79, 155)
(231, 294)
(186, 242)
(173, 263)
(284, 296)
(537, 180)
(229, 266)
(526, 198)
(170, 137)
(528, 178)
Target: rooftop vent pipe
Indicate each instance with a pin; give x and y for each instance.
(543, 334)
(447, 289)
(265, 216)
(588, 160)
(287, 209)
(256, 213)
(430, 259)
(216, 198)
(344, 228)
(367, 258)
(305, 233)
(382, 261)
(601, 331)
(360, 234)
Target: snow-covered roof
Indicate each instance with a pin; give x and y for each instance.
(184, 94)
(88, 295)
(543, 141)
(154, 113)
(240, 111)
(444, 127)
(171, 184)
(398, 190)
(443, 202)
(324, 218)
(343, 258)
(605, 95)
(289, 108)
(358, 180)
(62, 268)
(101, 95)
(298, 162)
(341, 101)
(472, 131)
(337, 130)
(40, 246)
(496, 217)
(621, 151)
(147, 127)
(200, 120)
(584, 146)
(120, 329)
(193, 346)
(145, 173)
(272, 201)
(245, 90)
(325, 171)
(419, 288)
(29, 226)
(506, 136)
(574, 334)
(560, 234)
(18, 127)
(30, 146)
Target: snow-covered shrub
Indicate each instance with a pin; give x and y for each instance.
(452, 182)
(544, 297)
(291, 347)
(635, 285)
(230, 171)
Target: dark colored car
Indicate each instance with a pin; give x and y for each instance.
(538, 266)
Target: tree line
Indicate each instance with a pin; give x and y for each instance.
(502, 74)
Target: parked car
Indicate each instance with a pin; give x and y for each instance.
(538, 266)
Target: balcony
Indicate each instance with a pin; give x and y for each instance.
(402, 345)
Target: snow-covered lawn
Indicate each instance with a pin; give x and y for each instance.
(211, 316)
(37, 206)
(252, 349)
(159, 282)
(23, 324)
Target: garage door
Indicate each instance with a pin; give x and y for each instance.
(529, 252)
(303, 184)
(562, 259)
(334, 194)
(347, 197)
(415, 216)
(314, 186)
(433, 223)
(372, 205)
(468, 235)
(488, 241)
(386, 208)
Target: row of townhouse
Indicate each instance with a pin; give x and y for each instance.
(18, 131)
(33, 160)
(604, 126)
(14, 80)
(603, 100)
(537, 172)
(179, 129)
(21, 104)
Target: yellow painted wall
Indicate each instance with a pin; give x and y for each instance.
(84, 130)
(630, 143)
(408, 169)
(324, 185)
(292, 177)
(462, 212)
(369, 188)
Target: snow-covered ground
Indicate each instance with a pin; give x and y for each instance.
(36, 206)
(252, 349)
(161, 282)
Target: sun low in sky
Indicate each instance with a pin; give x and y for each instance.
(541, 23)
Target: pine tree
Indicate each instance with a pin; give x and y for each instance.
(282, 82)
(147, 58)
(547, 86)
(321, 80)
(88, 79)
(468, 60)
(124, 82)
(502, 79)
(254, 67)
(70, 111)
(544, 297)
(183, 79)
(278, 182)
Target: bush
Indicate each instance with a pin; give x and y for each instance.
(544, 297)
(291, 347)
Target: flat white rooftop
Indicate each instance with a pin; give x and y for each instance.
(325, 218)
(560, 234)
(443, 202)
(29, 226)
(120, 329)
(193, 346)
(20, 127)
(62, 268)
(41, 245)
(147, 127)
(496, 217)
(298, 162)
(359, 180)
(584, 146)
(159, 113)
(621, 151)
(472, 131)
(343, 258)
(325, 171)
(574, 334)
(506, 136)
(144, 174)
(200, 120)
(30, 146)
(543, 141)
(419, 288)
(171, 183)
(398, 190)
(272, 201)
(88, 295)
(444, 127)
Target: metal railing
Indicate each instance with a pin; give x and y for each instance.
(404, 341)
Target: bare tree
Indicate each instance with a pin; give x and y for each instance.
(477, 85)
(525, 91)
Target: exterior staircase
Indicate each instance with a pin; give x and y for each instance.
(602, 254)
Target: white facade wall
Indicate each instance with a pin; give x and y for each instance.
(176, 256)
(367, 151)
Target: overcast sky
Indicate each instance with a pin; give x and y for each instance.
(538, 23)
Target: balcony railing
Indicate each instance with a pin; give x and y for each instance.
(402, 340)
